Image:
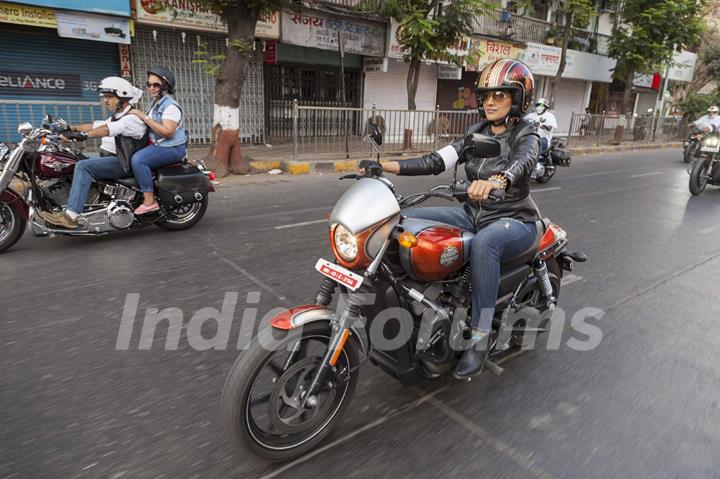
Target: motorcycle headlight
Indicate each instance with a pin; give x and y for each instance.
(712, 141)
(345, 243)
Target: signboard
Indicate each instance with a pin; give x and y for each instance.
(13, 83)
(317, 30)
(25, 15)
(270, 52)
(375, 64)
(483, 52)
(112, 7)
(100, 28)
(194, 16)
(125, 65)
(542, 59)
(683, 67)
(449, 72)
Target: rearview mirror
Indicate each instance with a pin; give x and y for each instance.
(482, 146)
(24, 128)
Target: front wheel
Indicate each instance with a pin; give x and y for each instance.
(11, 225)
(698, 175)
(688, 152)
(185, 216)
(263, 404)
(547, 175)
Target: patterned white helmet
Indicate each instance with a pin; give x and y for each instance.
(713, 109)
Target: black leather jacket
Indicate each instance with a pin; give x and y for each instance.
(518, 150)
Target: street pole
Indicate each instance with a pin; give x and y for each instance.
(341, 47)
(662, 100)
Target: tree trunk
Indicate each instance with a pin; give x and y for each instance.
(413, 79)
(563, 56)
(224, 153)
(627, 94)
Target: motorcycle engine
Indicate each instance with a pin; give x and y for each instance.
(120, 214)
(58, 190)
(539, 170)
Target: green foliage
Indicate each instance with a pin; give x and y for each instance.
(428, 29)
(711, 58)
(262, 7)
(650, 30)
(696, 105)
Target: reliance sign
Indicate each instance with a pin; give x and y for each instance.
(39, 84)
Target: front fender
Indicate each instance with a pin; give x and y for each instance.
(13, 198)
(298, 316)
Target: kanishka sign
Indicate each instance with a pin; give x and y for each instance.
(194, 16)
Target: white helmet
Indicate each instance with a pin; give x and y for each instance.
(713, 109)
(117, 86)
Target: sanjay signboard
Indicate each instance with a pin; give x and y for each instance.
(321, 31)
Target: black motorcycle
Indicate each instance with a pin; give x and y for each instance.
(691, 145)
(549, 160)
(36, 175)
(705, 169)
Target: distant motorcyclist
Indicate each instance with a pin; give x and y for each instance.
(545, 121)
(711, 121)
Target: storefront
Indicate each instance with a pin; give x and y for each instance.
(306, 67)
(173, 37)
(52, 60)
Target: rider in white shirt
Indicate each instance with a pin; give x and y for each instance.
(709, 122)
(545, 121)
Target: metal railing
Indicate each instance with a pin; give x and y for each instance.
(319, 131)
(587, 129)
(363, 5)
(13, 112)
(512, 27)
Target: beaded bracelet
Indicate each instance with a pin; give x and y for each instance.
(500, 180)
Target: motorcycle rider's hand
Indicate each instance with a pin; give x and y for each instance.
(75, 135)
(371, 166)
(479, 190)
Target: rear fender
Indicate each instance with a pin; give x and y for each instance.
(13, 198)
(299, 316)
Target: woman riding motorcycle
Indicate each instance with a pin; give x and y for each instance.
(505, 228)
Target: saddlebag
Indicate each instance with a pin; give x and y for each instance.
(561, 158)
(181, 184)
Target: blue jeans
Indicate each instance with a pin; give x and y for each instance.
(544, 145)
(153, 156)
(498, 241)
(108, 168)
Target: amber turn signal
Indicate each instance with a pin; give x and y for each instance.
(407, 240)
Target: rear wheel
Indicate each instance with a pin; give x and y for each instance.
(11, 225)
(263, 404)
(698, 175)
(184, 217)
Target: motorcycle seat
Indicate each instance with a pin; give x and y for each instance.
(130, 181)
(527, 255)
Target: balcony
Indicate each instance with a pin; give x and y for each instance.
(507, 26)
(358, 5)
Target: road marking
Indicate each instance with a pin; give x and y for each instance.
(523, 460)
(570, 279)
(604, 173)
(554, 188)
(351, 435)
(647, 174)
(710, 229)
(304, 223)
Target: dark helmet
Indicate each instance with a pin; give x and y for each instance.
(166, 75)
(507, 74)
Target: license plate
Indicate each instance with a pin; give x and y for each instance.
(710, 149)
(336, 272)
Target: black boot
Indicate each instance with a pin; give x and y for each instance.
(473, 359)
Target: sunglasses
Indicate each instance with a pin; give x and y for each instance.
(153, 85)
(497, 96)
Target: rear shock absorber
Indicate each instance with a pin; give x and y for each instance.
(325, 293)
(541, 273)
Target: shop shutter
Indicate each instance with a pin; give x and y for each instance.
(195, 88)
